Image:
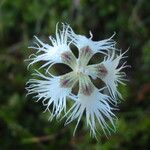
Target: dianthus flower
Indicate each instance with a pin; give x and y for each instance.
(55, 92)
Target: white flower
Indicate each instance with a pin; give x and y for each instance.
(54, 91)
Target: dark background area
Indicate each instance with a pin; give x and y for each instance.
(23, 126)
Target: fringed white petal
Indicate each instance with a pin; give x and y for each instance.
(50, 54)
(51, 92)
(97, 110)
(102, 46)
(114, 74)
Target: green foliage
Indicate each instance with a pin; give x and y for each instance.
(22, 123)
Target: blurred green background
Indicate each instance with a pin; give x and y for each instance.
(23, 126)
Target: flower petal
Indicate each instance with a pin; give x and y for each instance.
(81, 41)
(109, 72)
(96, 107)
(51, 54)
(85, 54)
(69, 59)
(53, 91)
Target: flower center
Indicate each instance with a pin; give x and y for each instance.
(80, 70)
